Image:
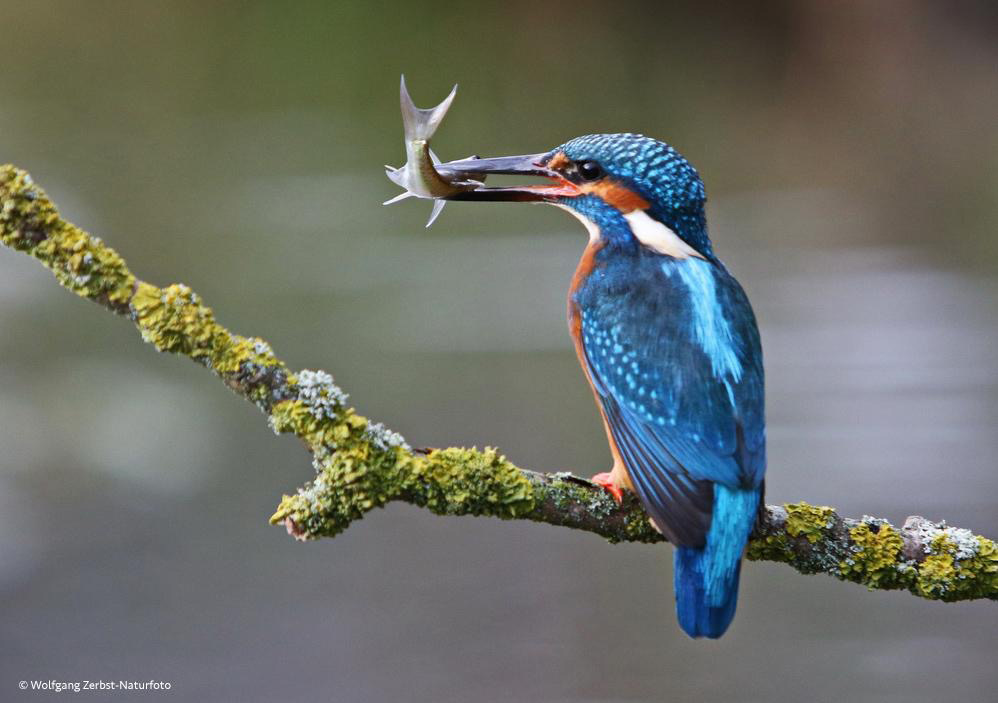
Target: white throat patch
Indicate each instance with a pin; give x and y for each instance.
(657, 237)
(590, 225)
(649, 231)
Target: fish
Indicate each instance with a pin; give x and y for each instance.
(420, 176)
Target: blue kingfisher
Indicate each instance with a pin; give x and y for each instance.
(669, 344)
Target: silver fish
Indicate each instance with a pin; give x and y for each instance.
(419, 176)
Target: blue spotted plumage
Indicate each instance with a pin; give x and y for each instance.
(669, 344)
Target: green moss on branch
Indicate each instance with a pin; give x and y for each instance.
(362, 465)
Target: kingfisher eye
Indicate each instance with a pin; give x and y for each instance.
(590, 170)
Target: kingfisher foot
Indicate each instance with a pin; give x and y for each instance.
(605, 480)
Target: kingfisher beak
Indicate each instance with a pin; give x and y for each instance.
(528, 165)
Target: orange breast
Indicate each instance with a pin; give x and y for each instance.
(586, 265)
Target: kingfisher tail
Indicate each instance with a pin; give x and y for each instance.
(706, 578)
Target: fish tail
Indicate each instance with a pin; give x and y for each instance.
(418, 123)
(706, 578)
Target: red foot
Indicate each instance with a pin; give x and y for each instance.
(606, 481)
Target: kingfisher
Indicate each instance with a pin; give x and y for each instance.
(669, 344)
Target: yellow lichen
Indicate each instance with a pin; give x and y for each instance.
(173, 319)
(229, 358)
(769, 548)
(356, 478)
(935, 576)
(82, 263)
(952, 573)
(467, 481)
(810, 521)
(873, 560)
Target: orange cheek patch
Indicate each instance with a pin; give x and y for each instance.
(615, 194)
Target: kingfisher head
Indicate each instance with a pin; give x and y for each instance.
(629, 190)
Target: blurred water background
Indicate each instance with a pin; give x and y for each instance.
(850, 152)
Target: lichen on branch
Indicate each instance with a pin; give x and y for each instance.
(361, 465)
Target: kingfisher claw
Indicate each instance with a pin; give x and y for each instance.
(605, 481)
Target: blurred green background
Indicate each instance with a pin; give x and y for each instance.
(850, 152)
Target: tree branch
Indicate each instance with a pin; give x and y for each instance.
(361, 465)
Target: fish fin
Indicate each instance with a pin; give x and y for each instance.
(400, 196)
(421, 124)
(434, 158)
(396, 176)
(438, 206)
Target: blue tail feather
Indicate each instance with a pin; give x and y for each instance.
(706, 578)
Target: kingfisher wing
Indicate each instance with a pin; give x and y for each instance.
(676, 362)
